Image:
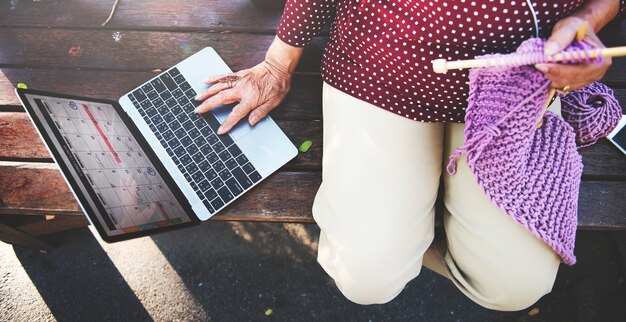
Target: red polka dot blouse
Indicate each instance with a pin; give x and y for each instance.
(380, 51)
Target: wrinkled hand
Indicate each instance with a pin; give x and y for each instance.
(258, 90)
(574, 75)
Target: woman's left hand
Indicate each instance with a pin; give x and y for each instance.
(573, 75)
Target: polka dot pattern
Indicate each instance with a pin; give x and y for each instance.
(380, 51)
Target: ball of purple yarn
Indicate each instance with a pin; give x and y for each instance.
(592, 111)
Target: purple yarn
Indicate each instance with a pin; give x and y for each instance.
(592, 111)
(531, 173)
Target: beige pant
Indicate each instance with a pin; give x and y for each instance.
(375, 208)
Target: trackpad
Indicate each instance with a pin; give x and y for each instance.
(240, 129)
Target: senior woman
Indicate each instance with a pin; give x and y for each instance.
(389, 122)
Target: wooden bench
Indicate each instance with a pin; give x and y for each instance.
(60, 46)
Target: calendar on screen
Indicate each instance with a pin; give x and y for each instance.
(110, 166)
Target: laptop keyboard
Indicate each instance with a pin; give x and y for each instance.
(213, 164)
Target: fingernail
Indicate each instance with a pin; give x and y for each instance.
(197, 98)
(220, 130)
(550, 48)
(196, 110)
(542, 68)
(253, 120)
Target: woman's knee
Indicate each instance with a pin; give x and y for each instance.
(373, 288)
(513, 289)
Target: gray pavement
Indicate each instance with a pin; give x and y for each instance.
(237, 271)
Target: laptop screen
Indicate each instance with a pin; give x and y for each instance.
(118, 184)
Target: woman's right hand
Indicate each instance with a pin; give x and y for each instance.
(258, 89)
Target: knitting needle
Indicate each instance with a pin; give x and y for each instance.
(580, 35)
(441, 66)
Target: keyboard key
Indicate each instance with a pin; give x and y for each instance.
(212, 157)
(217, 183)
(217, 204)
(219, 166)
(225, 174)
(242, 178)
(184, 85)
(188, 125)
(234, 187)
(212, 139)
(176, 110)
(198, 158)
(157, 101)
(224, 155)
(146, 104)
(173, 143)
(180, 133)
(248, 168)
(139, 95)
(214, 124)
(158, 85)
(197, 176)
(190, 93)
(185, 174)
(166, 95)
(168, 81)
(168, 117)
(255, 176)
(208, 206)
(179, 151)
(234, 150)
(225, 194)
(231, 164)
(218, 147)
(194, 186)
(185, 141)
(194, 133)
(210, 194)
(175, 125)
(146, 87)
(200, 141)
(174, 71)
(185, 159)
(179, 79)
(192, 148)
(210, 174)
(204, 185)
(241, 159)
(178, 93)
(170, 102)
(162, 127)
(152, 95)
(192, 168)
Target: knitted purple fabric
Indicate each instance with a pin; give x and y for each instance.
(532, 173)
(592, 111)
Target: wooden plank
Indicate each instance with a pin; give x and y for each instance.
(246, 15)
(96, 49)
(53, 225)
(303, 102)
(13, 236)
(18, 139)
(136, 50)
(288, 197)
(282, 197)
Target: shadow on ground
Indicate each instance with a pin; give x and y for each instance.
(237, 271)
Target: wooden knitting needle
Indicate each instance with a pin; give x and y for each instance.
(441, 66)
(580, 35)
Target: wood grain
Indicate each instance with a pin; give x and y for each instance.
(19, 139)
(304, 102)
(257, 16)
(285, 196)
(136, 50)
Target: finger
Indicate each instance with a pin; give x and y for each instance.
(216, 78)
(214, 89)
(238, 112)
(562, 36)
(222, 97)
(576, 76)
(260, 112)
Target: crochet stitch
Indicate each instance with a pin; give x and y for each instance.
(532, 173)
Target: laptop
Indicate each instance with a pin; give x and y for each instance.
(147, 163)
